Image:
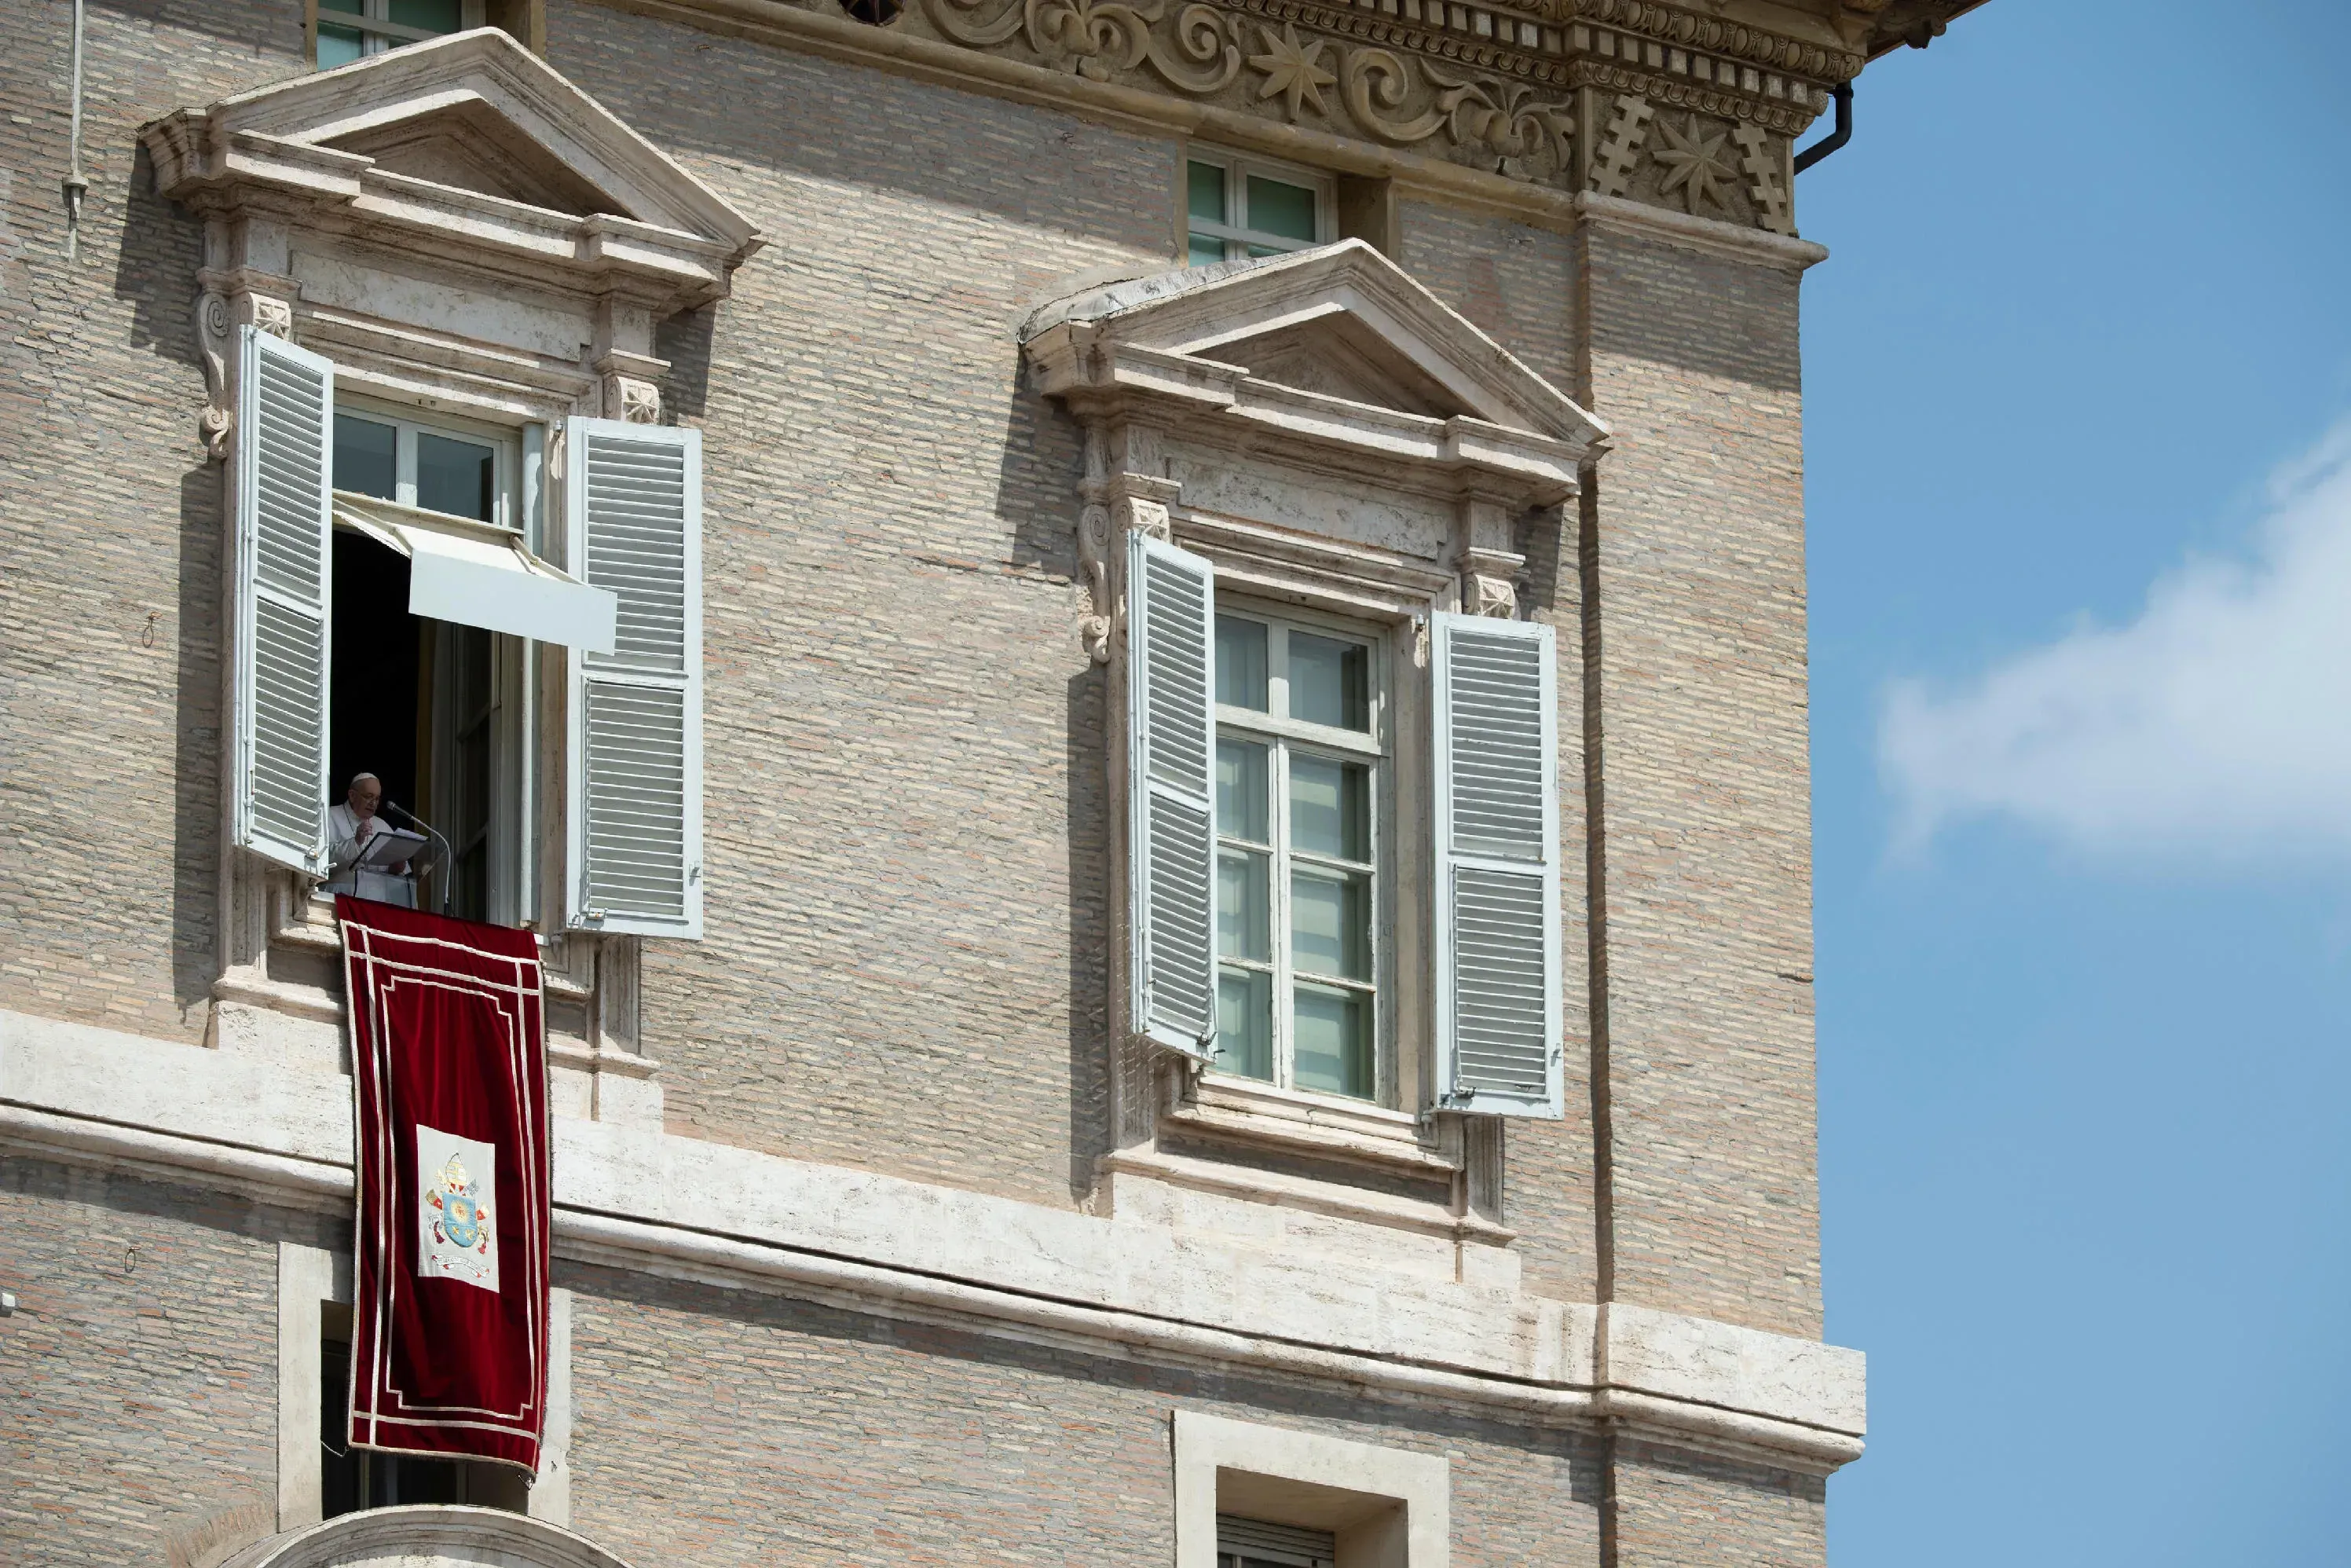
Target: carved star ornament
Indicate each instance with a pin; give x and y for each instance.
(1292, 68)
(1693, 164)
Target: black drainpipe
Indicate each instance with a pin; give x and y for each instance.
(1834, 139)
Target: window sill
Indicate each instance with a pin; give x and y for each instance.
(1243, 1109)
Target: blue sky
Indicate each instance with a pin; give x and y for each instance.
(2078, 383)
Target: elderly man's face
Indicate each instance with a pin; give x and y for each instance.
(364, 796)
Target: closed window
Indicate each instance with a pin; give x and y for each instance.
(352, 29)
(1258, 863)
(1302, 769)
(1261, 1543)
(1235, 207)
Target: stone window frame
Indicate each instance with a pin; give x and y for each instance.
(1389, 1508)
(1141, 364)
(540, 315)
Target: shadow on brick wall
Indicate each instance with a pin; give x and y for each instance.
(196, 760)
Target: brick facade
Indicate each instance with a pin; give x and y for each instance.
(905, 970)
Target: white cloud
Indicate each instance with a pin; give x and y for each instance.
(2219, 722)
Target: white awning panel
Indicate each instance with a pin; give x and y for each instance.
(478, 574)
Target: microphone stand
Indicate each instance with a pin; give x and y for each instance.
(445, 863)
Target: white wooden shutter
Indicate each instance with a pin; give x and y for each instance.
(285, 576)
(1499, 1050)
(634, 498)
(1171, 794)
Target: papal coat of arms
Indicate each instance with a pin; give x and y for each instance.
(457, 1235)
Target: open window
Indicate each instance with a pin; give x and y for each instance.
(393, 610)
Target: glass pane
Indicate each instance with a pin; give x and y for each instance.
(338, 46)
(1244, 1023)
(1244, 925)
(1206, 251)
(1330, 681)
(1334, 1040)
(1241, 791)
(1241, 663)
(1275, 208)
(347, 7)
(455, 476)
(1330, 926)
(366, 453)
(1257, 252)
(438, 15)
(1330, 807)
(1204, 192)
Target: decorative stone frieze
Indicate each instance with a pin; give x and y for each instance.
(1622, 97)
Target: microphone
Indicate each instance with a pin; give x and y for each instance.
(388, 804)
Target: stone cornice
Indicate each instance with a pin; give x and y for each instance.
(654, 1203)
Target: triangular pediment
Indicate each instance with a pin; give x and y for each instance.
(478, 112)
(1339, 321)
(471, 146)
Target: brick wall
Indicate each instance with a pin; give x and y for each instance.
(1696, 541)
(903, 749)
(1693, 1510)
(138, 1375)
(109, 521)
(720, 1427)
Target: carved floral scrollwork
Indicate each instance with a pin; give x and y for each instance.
(1099, 39)
(1505, 121)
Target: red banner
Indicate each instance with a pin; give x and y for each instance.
(449, 1060)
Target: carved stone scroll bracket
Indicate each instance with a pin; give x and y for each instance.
(1123, 492)
(214, 344)
(1482, 555)
(1765, 159)
(227, 298)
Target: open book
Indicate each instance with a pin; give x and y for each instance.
(390, 847)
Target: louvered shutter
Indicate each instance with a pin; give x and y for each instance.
(284, 567)
(634, 498)
(1499, 1050)
(1171, 794)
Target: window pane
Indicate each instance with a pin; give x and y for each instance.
(1244, 1023)
(1330, 926)
(1333, 1030)
(453, 477)
(1242, 790)
(1244, 925)
(366, 453)
(439, 16)
(338, 46)
(1275, 208)
(1206, 251)
(1204, 192)
(1330, 681)
(347, 7)
(1241, 663)
(1330, 807)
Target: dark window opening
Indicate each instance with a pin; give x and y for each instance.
(416, 702)
(873, 13)
(354, 1479)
